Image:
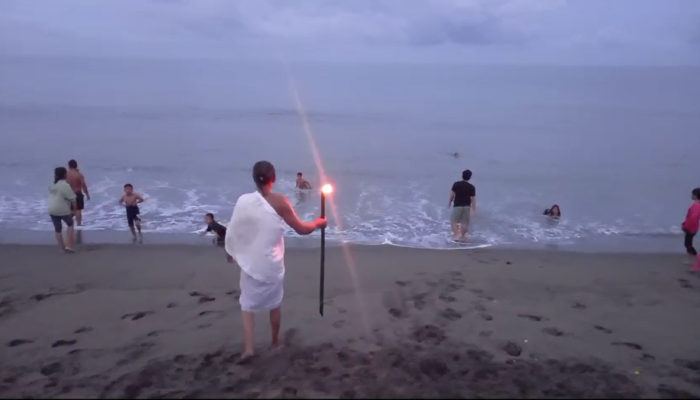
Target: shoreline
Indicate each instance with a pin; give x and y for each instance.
(164, 321)
(603, 244)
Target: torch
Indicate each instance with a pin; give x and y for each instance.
(326, 189)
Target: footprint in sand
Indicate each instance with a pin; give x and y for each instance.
(51, 369)
(513, 349)
(578, 306)
(647, 357)
(536, 318)
(419, 302)
(339, 324)
(84, 329)
(429, 334)
(61, 343)
(396, 313)
(196, 294)
(669, 392)
(603, 329)
(447, 298)
(206, 299)
(479, 306)
(693, 365)
(402, 283)
(18, 342)
(137, 315)
(685, 284)
(450, 314)
(342, 311)
(203, 313)
(630, 345)
(553, 332)
(232, 292)
(486, 316)
(171, 305)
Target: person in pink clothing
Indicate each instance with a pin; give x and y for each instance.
(690, 228)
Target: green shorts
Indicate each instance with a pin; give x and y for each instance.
(461, 215)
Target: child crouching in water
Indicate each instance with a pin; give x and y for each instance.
(217, 228)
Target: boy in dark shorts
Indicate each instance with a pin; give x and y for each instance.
(131, 201)
(217, 228)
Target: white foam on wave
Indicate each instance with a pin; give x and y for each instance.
(404, 216)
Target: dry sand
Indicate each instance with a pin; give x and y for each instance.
(164, 321)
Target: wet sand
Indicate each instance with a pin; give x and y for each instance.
(164, 321)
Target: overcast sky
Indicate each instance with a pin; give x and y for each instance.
(444, 31)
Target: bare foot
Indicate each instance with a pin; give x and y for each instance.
(68, 250)
(245, 358)
(276, 347)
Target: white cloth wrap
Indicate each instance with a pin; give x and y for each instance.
(255, 239)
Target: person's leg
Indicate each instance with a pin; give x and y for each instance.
(464, 222)
(248, 335)
(455, 216)
(78, 212)
(138, 228)
(275, 323)
(690, 250)
(130, 221)
(56, 221)
(70, 232)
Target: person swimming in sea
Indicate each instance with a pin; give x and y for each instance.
(302, 183)
(553, 212)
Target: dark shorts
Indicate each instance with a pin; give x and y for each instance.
(132, 215)
(56, 220)
(79, 201)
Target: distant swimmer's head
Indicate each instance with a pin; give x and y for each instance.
(696, 194)
(59, 174)
(466, 175)
(209, 218)
(72, 164)
(128, 188)
(264, 174)
(554, 211)
(455, 154)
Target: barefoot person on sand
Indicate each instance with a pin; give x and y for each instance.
(255, 240)
(690, 227)
(61, 203)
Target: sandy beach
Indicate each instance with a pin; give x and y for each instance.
(164, 322)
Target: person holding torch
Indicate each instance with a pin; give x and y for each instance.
(255, 240)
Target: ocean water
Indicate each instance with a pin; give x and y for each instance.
(616, 147)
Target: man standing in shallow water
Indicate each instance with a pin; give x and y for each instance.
(463, 197)
(76, 180)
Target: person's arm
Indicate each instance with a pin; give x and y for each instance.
(473, 198)
(286, 211)
(139, 199)
(69, 195)
(84, 187)
(452, 196)
(121, 201)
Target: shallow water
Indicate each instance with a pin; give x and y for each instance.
(616, 148)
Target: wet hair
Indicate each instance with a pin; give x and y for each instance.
(299, 174)
(72, 164)
(466, 175)
(264, 173)
(696, 193)
(550, 210)
(128, 185)
(210, 215)
(59, 174)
